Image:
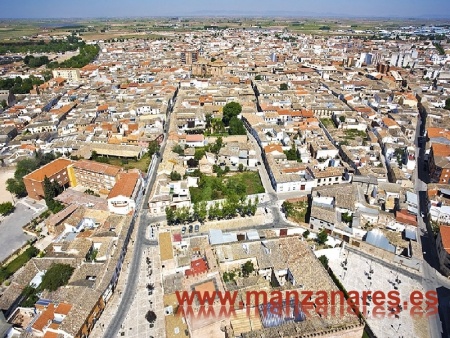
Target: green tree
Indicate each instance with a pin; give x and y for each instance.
(292, 154)
(288, 208)
(51, 190)
(229, 276)
(241, 167)
(258, 77)
(230, 110)
(306, 234)
(6, 208)
(153, 147)
(150, 316)
(178, 149)
(324, 260)
(56, 276)
(215, 148)
(215, 211)
(247, 268)
(199, 153)
(208, 120)
(230, 206)
(24, 167)
(218, 126)
(175, 176)
(183, 214)
(447, 104)
(346, 217)
(170, 216)
(200, 211)
(439, 48)
(322, 237)
(4, 104)
(236, 127)
(283, 86)
(16, 187)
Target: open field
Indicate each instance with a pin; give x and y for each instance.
(141, 164)
(105, 29)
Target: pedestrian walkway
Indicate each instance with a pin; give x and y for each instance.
(33, 205)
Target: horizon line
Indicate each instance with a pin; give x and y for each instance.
(245, 16)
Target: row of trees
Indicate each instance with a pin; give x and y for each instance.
(87, 54)
(35, 62)
(53, 46)
(229, 208)
(439, 48)
(19, 85)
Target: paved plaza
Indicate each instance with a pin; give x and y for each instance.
(361, 274)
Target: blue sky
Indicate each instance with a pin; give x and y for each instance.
(145, 8)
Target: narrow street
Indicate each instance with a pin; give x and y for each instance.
(432, 279)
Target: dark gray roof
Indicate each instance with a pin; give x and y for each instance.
(410, 234)
(4, 325)
(376, 238)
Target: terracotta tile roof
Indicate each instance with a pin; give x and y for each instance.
(64, 109)
(47, 315)
(102, 107)
(125, 185)
(272, 148)
(195, 138)
(438, 132)
(63, 308)
(445, 236)
(59, 80)
(50, 334)
(389, 122)
(28, 146)
(198, 266)
(89, 67)
(49, 169)
(101, 168)
(440, 149)
(363, 109)
(405, 217)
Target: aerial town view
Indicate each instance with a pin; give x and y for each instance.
(227, 169)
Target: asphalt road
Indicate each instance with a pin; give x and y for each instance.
(143, 220)
(12, 235)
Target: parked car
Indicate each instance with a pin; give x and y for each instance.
(191, 228)
(183, 230)
(197, 227)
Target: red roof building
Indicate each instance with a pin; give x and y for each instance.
(198, 266)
